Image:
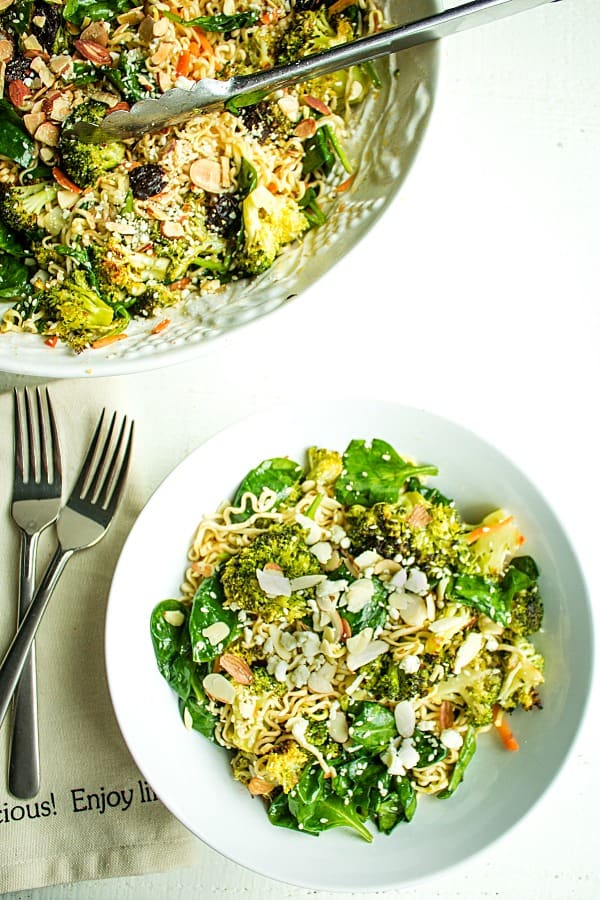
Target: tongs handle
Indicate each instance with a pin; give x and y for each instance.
(178, 105)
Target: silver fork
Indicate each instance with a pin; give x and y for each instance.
(81, 523)
(35, 505)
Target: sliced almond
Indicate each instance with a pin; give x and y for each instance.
(216, 633)
(446, 714)
(97, 32)
(6, 51)
(171, 229)
(237, 667)
(337, 727)
(206, 174)
(404, 716)
(174, 617)
(60, 64)
(305, 129)
(258, 787)
(219, 688)
(354, 661)
(32, 121)
(359, 593)
(18, 93)
(346, 629)
(160, 27)
(418, 517)
(93, 51)
(319, 684)
(66, 199)
(317, 105)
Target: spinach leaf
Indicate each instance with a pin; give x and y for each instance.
(131, 77)
(429, 747)
(374, 473)
(247, 178)
(467, 751)
(220, 23)
(14, 277)
(318, 154)
(207, 610)
(76, 11)
(278, 474)
(279, 813)
(243, 100)
(17, 17)
(373, 725)
(170, 641)
(10, 243)
(491, 596)
(429, 493)
(316, 808)
(483, 594)
(15, 142)
(201, 718)
(398, 804)
(374, 612)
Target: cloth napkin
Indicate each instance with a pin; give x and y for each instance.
(95, 815)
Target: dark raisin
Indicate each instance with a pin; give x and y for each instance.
(17, 69)
(146, 181)
(223, 213)
(46, 33)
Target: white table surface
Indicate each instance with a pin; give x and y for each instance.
(476, 297)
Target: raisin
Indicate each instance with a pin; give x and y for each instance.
(46, 33)
(146, 181)
(223, 213)
(17, 69)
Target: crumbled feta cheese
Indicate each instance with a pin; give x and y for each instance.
(410, 664)
(451, 738)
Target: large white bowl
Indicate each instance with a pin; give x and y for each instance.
(192, 777)
(383, 145)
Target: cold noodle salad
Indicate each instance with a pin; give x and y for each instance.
(93, 235)
(347, 636)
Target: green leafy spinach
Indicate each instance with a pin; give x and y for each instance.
(374, 473)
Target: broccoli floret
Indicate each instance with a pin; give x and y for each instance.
(85, 163)
(386, 679)
(266, 121)
(312, 31)
(433, 537)
(75, 313)
(324, 466)
(284, 764)
(526, 613)
(523, 673)
(23, 207)
(123, 273)
(477, 691)
(270, 222)
(317, 735)
(283, 546)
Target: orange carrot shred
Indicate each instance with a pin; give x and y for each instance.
(106, 341)
(484, 530)
(65, 182)
(161, 326)
(183, 64)
(338, 6)
(51, 341)
(503, 728)
(340, 188)
(204, 42)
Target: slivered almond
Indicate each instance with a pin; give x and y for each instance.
(446, 715)
(418, 517)
(258, 787)
(18, 93)
(219, 688)
(93, 51)
(317, 105)
(237, 667)
(48, 134)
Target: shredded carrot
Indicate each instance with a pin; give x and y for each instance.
(161, 326)
(179, 285)
(484, 530)
(269, 17)
(122, 104)
(183, 64)
(340, 188)
(204, 42)
(51, 341)
(65, 182)
(502, 727)
(194, 49)
(338, 6)
(106, 341)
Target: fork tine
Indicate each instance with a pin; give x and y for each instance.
(89, 459)
(42, 435)
(56, 460)
(19, 473)
(33, 474)
(115, 478)
(94, 488)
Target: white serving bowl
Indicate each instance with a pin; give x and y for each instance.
(383, 146)
(192, 777)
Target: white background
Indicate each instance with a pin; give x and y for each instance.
(476, 296)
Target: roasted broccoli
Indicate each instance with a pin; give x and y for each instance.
(317, 735)
(523, 673)
(324, 466)
(311, 31)
(281, 546)
(270, 222)
(74, 312)
(124, 274)
(477, 691)
(385, 679)
(284, 764)
(24, 208)
(84, 163)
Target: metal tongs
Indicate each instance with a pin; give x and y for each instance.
(180, 104)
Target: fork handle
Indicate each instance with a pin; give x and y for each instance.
(16, 655)
(24, 756)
